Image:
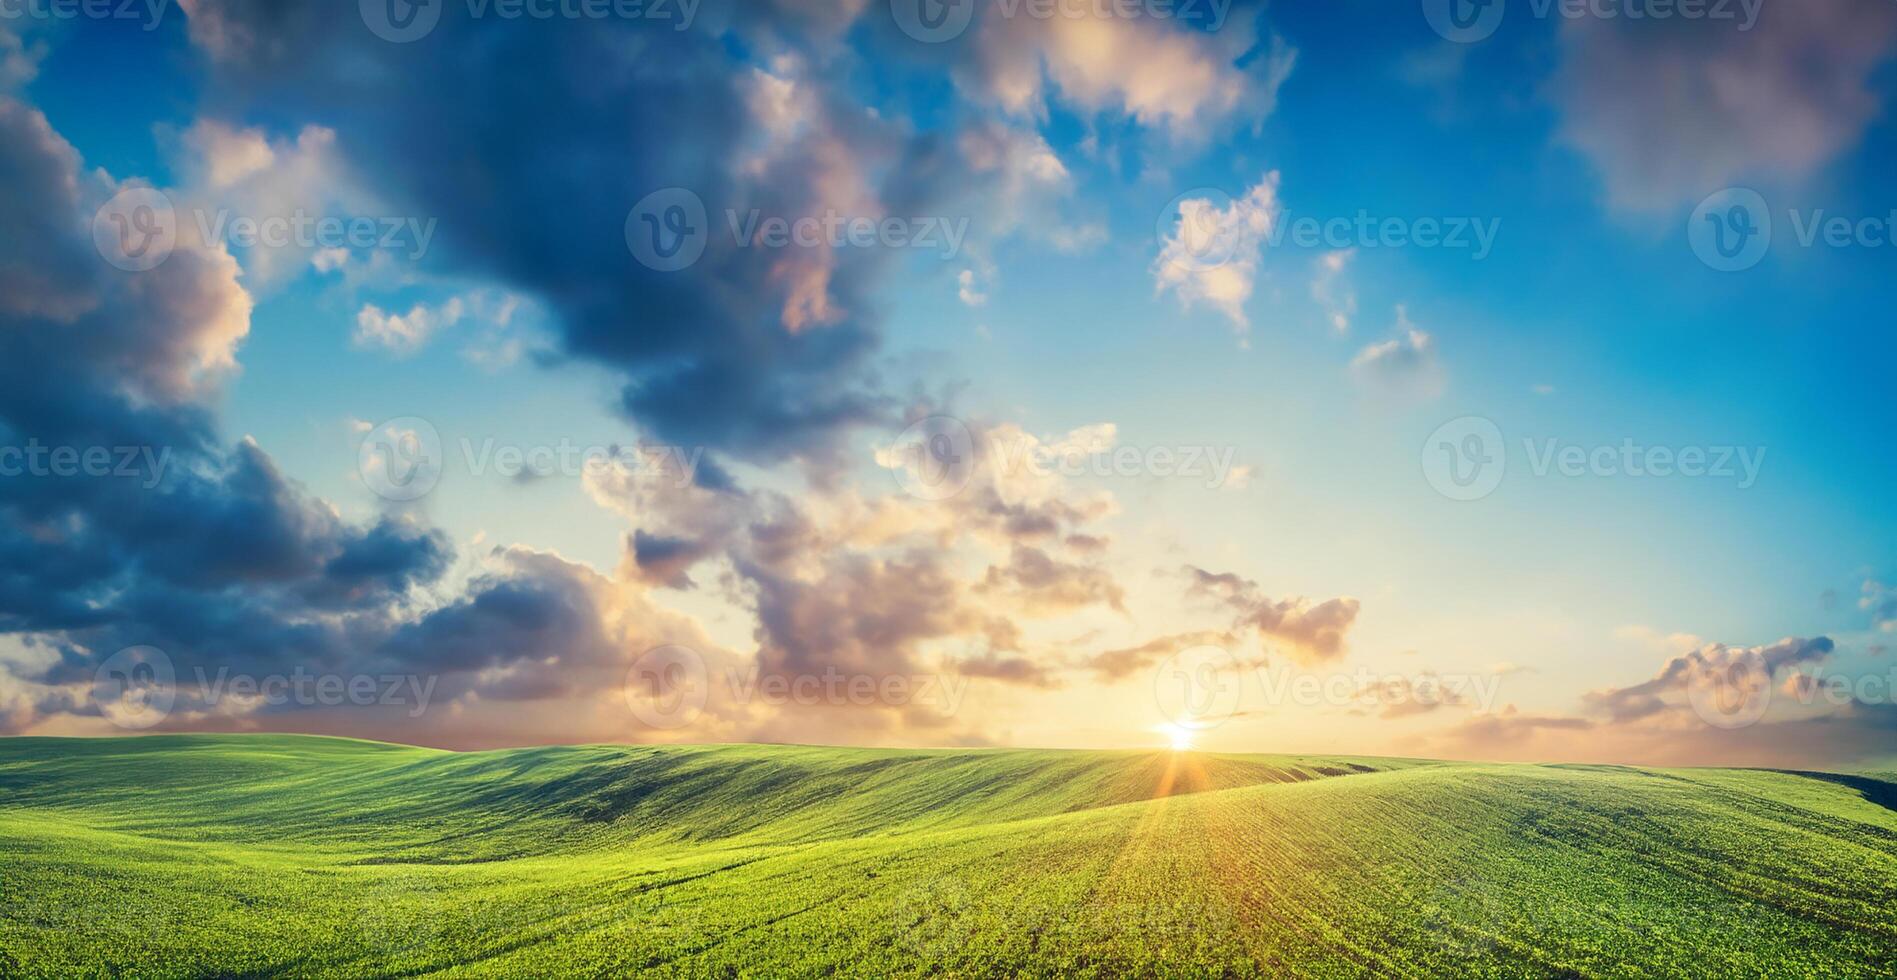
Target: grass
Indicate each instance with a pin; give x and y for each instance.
(285, 855)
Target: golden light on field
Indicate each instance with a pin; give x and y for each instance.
(1179, 735)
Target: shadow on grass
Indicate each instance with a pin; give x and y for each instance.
(1878, 791)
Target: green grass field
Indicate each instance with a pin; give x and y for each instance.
(282, 855)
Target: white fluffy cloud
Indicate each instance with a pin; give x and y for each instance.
(405, 333)
(1177, 79)
(1213, 253)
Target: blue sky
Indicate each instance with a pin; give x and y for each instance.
(1073, 152)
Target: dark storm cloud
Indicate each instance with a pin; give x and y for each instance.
(759, 352)
(535, 611)
(208, 552)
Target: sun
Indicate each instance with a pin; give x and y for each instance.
(1180, 736)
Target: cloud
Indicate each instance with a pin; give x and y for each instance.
(19, 63)
(1121, 663)
(1332, 292)
(1212, 256)
(1512, 726)
(760, 352)
(1670, 111)
(1773, 706)
(1408, 697)
(1880, 601)
(1042, 585)
(1183, 80)
(405, 333)
(1711, 664)
(205, 550)
(1009, 670)
(967, 290)
(230, 174)
(1405, 362)
(1314, 631)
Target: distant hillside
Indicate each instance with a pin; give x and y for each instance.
(242, 855)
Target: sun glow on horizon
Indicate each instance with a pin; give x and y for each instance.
(1178, 735)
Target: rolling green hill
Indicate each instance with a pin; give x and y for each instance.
(283, 855)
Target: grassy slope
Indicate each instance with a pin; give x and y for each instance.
(242, 855)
